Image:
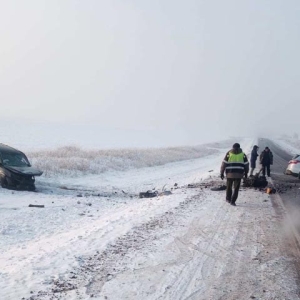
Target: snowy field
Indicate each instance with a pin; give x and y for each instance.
(95, 238)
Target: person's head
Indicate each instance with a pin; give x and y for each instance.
(267, 149)
(255, 147)
(236, 146)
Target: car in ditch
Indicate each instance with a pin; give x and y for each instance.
(294, 166)
(16, 171)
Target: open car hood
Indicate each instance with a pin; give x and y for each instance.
(24, 170)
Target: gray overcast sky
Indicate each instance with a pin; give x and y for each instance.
(201, 68)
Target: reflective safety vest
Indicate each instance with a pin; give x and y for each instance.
(235, 163)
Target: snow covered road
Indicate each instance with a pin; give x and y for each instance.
(215, 252)
(109, 244)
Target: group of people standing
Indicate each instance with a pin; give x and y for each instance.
(236, 166)
(265, 158)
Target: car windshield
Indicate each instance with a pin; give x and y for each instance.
(14, 159)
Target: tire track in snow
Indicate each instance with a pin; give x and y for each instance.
(96, 270)
(192, 270)
(240, 263)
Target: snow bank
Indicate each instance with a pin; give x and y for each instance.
(76, 161)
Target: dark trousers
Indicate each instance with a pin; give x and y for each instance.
(264, 167)
(236, 186)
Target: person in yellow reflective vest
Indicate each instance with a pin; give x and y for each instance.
(235, 165)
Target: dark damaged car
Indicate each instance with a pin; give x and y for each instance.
(16, 171)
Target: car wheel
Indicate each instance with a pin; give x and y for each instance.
(299, 175)
(31, 188)
(4, 183)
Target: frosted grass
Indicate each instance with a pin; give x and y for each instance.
(75, 161)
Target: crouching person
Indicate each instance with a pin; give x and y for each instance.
(236, 165)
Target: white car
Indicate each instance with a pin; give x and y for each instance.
(294, 166)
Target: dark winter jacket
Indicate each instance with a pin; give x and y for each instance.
(235, 170)
(254, 156)
(266, 158)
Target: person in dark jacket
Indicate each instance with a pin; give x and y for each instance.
(266, 160)
(236, 165)
(253, 159)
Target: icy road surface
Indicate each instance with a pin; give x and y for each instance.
(96, 239)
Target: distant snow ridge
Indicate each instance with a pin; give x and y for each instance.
(294, 142)
(75, 161)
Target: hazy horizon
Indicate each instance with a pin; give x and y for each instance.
(181, 72)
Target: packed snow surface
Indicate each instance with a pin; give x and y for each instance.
(96, 238)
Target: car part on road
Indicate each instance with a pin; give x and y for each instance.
(36, 205)
(152, 194)
(270, 190)
(218, 188)
(255, 181)
(148, 194)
